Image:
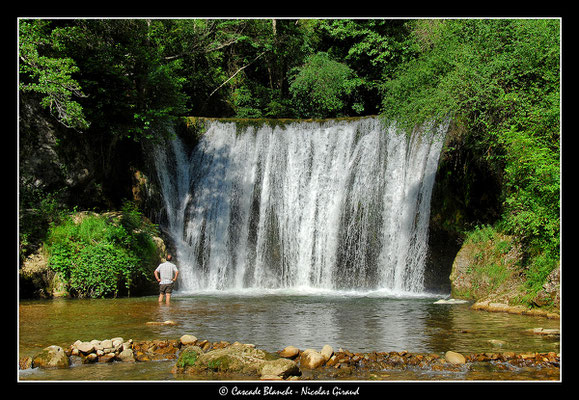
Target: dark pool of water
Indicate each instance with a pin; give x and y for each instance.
(271, 321)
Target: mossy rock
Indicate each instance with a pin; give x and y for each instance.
(487, 267)
(197, 126)
(238, 359)
(51, 357)
(188, 357)
(234, 359)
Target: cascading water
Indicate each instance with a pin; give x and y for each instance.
(340, 205)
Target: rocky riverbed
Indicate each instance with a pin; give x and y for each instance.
(242, 361)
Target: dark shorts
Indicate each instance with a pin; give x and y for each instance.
(166, 288)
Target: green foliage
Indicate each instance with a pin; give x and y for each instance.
(490, 241)
(188, 356)
(100, 256)
(123, 81)
(480, 234)
(536, 274)
(321, 86)
(495, 263)
(44, 71)
(134, 91)
(38, 210)
(373, 48)
(380, 43)
(500, 81)
(533, 181)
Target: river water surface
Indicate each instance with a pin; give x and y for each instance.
(358, 322)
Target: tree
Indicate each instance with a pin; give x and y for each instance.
(500, 81)
(373, 48)
(134, 91)
(44, 71)
(259, 66)
(208, 52)
(322, 86)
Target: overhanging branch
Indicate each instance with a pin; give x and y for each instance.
(236, 72)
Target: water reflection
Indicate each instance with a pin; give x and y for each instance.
(461, 329)
(271, 322)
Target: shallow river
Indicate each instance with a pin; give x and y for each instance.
(271, 320)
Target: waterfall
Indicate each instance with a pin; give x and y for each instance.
(339, 205)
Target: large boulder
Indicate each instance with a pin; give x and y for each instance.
(550, 292)
(235, 359)
(312, 359)
(187, 358)
(327, 352)
(51, 357)
(282, 368)
(37, 280)
(488, 269)
(289, 352)
(454, 358)
(187, 340)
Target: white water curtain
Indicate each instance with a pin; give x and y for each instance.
(340, 204)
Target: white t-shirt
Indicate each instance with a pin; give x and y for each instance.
(166, 271)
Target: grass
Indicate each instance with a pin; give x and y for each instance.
(499, 268)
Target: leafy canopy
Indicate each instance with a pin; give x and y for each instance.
(45, 72)
(321, 87)
(500, 81)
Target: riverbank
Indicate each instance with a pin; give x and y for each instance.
(487, 305)
(191, 358)
(489, 270)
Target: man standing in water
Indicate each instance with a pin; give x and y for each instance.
(164, 275)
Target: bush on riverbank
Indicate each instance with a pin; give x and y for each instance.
(102, 255)
(492, 266)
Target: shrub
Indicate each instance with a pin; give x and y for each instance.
(323, 87)
(480, 234)
(538, 269)
(102, 256)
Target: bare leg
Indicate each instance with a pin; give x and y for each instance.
(168, 298)
(161, 298)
